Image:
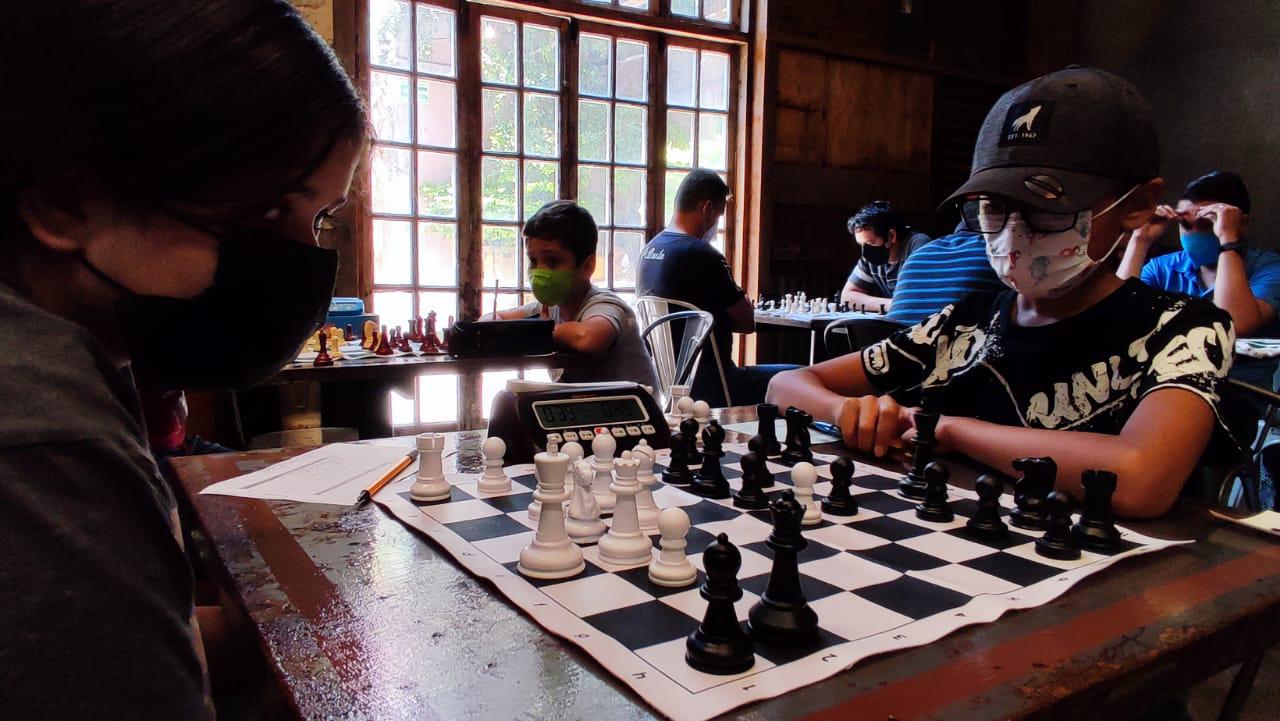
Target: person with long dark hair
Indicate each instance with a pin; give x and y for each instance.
(167, 168)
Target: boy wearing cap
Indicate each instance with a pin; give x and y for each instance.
(1065, 168)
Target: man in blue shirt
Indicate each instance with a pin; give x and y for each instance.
(941, 273)
(680, 264)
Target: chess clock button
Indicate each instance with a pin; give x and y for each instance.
(633, 431)
(585, 434)
(555, 438)
(618, 432)
(648, 430)
(570, 435)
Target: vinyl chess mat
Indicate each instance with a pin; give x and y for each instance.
(882, 580)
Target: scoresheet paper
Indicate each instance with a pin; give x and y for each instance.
(333, 474)
(879, 581)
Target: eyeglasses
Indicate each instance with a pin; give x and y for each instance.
(989, 215)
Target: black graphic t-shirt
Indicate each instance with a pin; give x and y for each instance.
(1084, 373)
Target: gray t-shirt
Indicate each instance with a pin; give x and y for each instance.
(96, 615)
(626, 360)
(881, 279)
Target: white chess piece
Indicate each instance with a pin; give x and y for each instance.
(573, 449)
(430, 484)
(551, 554)
(804, 475)
(624, 544)
(646, 507)
(831, 307)
(684, 408)
(602, 449)
(584, 524)
(702, 413)
(672, 569)
(494, 479)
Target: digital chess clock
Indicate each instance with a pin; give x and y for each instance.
(528, 416)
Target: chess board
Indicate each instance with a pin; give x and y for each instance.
(879, 581)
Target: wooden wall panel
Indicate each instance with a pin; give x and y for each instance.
(878, 117)
(802, 80)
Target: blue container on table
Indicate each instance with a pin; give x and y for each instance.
(348, 310)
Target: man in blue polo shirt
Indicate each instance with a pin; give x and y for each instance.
(940, 273)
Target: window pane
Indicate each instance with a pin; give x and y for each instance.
(389, 101)
(595, 65)
(682, 77)
(602, 252)
(392, 185)
(444, 303)
(593, 192)
(542, 125)
(541, 185)
(628, 197)
(541, 57)
(633, 70)
(680, 138)
(490, 383)
(437, 398)
(437, 184)
(642, 4)
(401, 410)
(716, 10)
(718, 243)
(498, 51)
(688, 8)
(392, 243)
(629, 134)
(506, 301)
(498, 120)
(714, 81)
(674, 178)
(500, 255)
(393, 307)
(389, 27)
(437, 254)
(712, 141)
(437, 113)
(626, 256)
(435, 40)
(593, 130)
(498, 188)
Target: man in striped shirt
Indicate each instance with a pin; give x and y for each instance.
(940, 273)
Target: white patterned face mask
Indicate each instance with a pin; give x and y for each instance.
(1046, 265)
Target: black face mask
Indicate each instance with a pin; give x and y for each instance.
(276, 289)
(876, 254)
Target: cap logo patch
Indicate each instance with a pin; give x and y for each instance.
(1045, 186)
(1027, 123)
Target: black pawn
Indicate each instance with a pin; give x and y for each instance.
(677, 472)
(710, 481)
(690, 429)
(1029, 491)
(782, 616)
(719, 645)
(1096, 530)
(1057, 541)
(751, 496)
(913, 484)
(768, 430)
(935, 507)
(840, 502)
(759, 445)
(986, 524)
(797, 449)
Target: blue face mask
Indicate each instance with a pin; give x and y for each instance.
(1202, 246)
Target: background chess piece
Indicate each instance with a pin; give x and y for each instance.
(430, 485)
(323, 359)
(1031, 490)
(1096, 530)
(922, 450)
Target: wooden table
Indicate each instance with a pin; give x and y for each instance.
(361, 618)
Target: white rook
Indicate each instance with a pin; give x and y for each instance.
(430, 484)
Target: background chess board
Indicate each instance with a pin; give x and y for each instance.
(880, 581)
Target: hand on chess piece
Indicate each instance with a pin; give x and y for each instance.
(874, 424)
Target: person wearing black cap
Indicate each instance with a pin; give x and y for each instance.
(1065, 168)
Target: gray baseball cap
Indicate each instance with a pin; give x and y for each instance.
(1061, 142)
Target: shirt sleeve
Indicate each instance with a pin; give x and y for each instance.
(908, 359)
(610, 311)
(711, 270)
(1191, 348)
(1265, 281)
(1151, 274)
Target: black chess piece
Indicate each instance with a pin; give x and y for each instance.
(751, 496)
(913, 484)
(719, 645)
(768, 430)
(1096, 530)
(758, 445)
(689, 427)
(935, 507)
(710, 482)
(1057, 541)
(782, 616)
(986, 524)
(797, 437)
(677, 472)
(1030, 490)
(840, 502)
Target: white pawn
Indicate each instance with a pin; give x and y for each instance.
(624, 544)
(494, 479)
(804, 475)
(602, 449)
(430, 484)
(551, 554)
(584, 524)
(672, 569)
(684, 408)
(646, 507)
(702, 414)
(574, 450)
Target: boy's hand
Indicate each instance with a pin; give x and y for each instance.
(873, 424)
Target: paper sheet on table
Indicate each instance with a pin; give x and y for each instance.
(1258, 347)
(1267, 521)
(333, 474)
(780, 427)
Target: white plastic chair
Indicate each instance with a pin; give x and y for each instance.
(650, 308)
(676, 362)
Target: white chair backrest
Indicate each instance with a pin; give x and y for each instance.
(650, 308)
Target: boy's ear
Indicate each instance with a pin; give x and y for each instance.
(1138, 208)
(589, 265)
(55, 213)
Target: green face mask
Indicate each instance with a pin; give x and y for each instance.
(551, 287)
